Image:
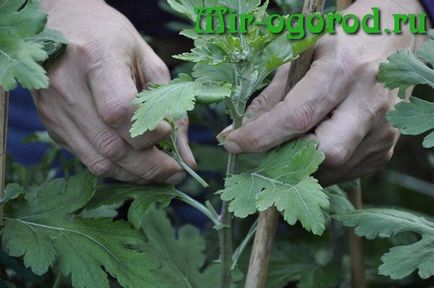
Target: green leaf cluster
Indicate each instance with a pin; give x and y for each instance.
(405, 70)
(282, 180)
(400, 261)
(44, 228)
(24, 44)
(228, 67)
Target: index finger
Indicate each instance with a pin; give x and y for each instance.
(310, 101)
(113, 87)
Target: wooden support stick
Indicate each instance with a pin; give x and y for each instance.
(262, 248)
(3, 133)
(358, 275)
(268, 220)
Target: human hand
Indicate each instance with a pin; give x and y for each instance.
(338, 103)
(87, 107)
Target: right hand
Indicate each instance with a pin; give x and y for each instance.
(86, 108)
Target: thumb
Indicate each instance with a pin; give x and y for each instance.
(270, 97)
(182, 143)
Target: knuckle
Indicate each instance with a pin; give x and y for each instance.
(183, 123)
(110, 145)
(259, 103)
(257, 143)
(162, 70)
(299, 119)
(152, 171)
(102, 168)
(381, 105)
(388, 155)
(391, 135)
(336, 156)
(56, 137)
(46, 114)
(115, 113)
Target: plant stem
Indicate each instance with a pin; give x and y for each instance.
(58, 281)
(199, 206)
(179, 159)
(225, 231)
(358, 276)
(243, 245)
(193, 174)
(3, 134)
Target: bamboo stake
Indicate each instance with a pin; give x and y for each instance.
(262, 248)
(3, 133)
(268, 220)
(358, 276)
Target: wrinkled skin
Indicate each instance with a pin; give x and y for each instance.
(338, 103)
(87, 107)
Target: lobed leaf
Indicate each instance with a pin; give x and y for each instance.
(309, 268)
(180, 253)
(282, 180)
(171, 100)
(144, 197)
(400, 261)
(44, 229)
(405, 69)
(414, 118)
(20, 21)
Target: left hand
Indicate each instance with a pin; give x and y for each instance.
(338, 103)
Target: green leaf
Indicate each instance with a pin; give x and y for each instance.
(47, 234)
(277, 53)
(186, 7)
(21, 20)
(205, 51)
(180, 253)
(400, 261)
(171, 100)
(223, 73)
(282, 180)
(53, 42)
(12, 191)
(242, 7)
(307, 268)
(144, 197)
(214, 92)
(339, 202)
(405, 69)
(414, 118)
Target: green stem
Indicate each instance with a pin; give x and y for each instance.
(181, 162)
(225, 231)
(58, 281)
(199, 206)
(193, 174)
(243, 245)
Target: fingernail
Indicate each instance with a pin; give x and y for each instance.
(222, 136)
(233, 147)
(176, 179)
